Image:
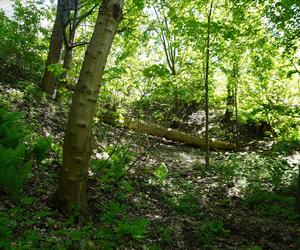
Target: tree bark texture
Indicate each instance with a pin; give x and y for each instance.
(56, 42)
(72, 188)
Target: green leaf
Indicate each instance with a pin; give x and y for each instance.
(156, 70)
(161, 172)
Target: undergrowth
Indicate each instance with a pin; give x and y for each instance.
(19, 146)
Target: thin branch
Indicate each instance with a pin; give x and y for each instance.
(83, 16)
(74, 45)
(165, 43)
(294, 65)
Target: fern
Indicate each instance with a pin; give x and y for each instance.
(41, 148)
(11, 128)
(15, 154)
(14, 168)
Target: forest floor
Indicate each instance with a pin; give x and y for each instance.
(168, 199)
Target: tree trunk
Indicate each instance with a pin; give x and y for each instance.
(236, 124)
(67, 61)
(56, 41)
(173, 134)
(229, 101)
(68, 55)
(69, 43)
(206, 86)
(72, 189)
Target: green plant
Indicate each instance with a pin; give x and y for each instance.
(165, 235)
(11, 128)
(186, 204)
(57, 69)
(26, 200)
(30, 240)
(15, 163)
(289, 141)
(113, 167)
(73, 238)
(273, 205)
(41, 147)
(25, 40)
(161, 172)
(14, 168)
(7, 227)
(252, 170)
(15, 152)
(254, 247)
(209, 230)
(57, 149)
(135, 228)
(118, 226)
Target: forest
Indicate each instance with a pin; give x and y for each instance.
(150, 124)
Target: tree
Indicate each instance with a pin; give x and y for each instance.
(69, 15)
(81, 11)
(24, 40)
(71, 192)
(48, 83)
(206, 85)
(231, 113)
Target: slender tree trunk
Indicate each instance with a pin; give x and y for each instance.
(236, 124)
(69, 43)
(48, 83)
(170, 53)
(229, 102)
(68, 55)
(206, 87)
(71, 192)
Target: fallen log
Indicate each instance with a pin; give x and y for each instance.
(173, 134)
